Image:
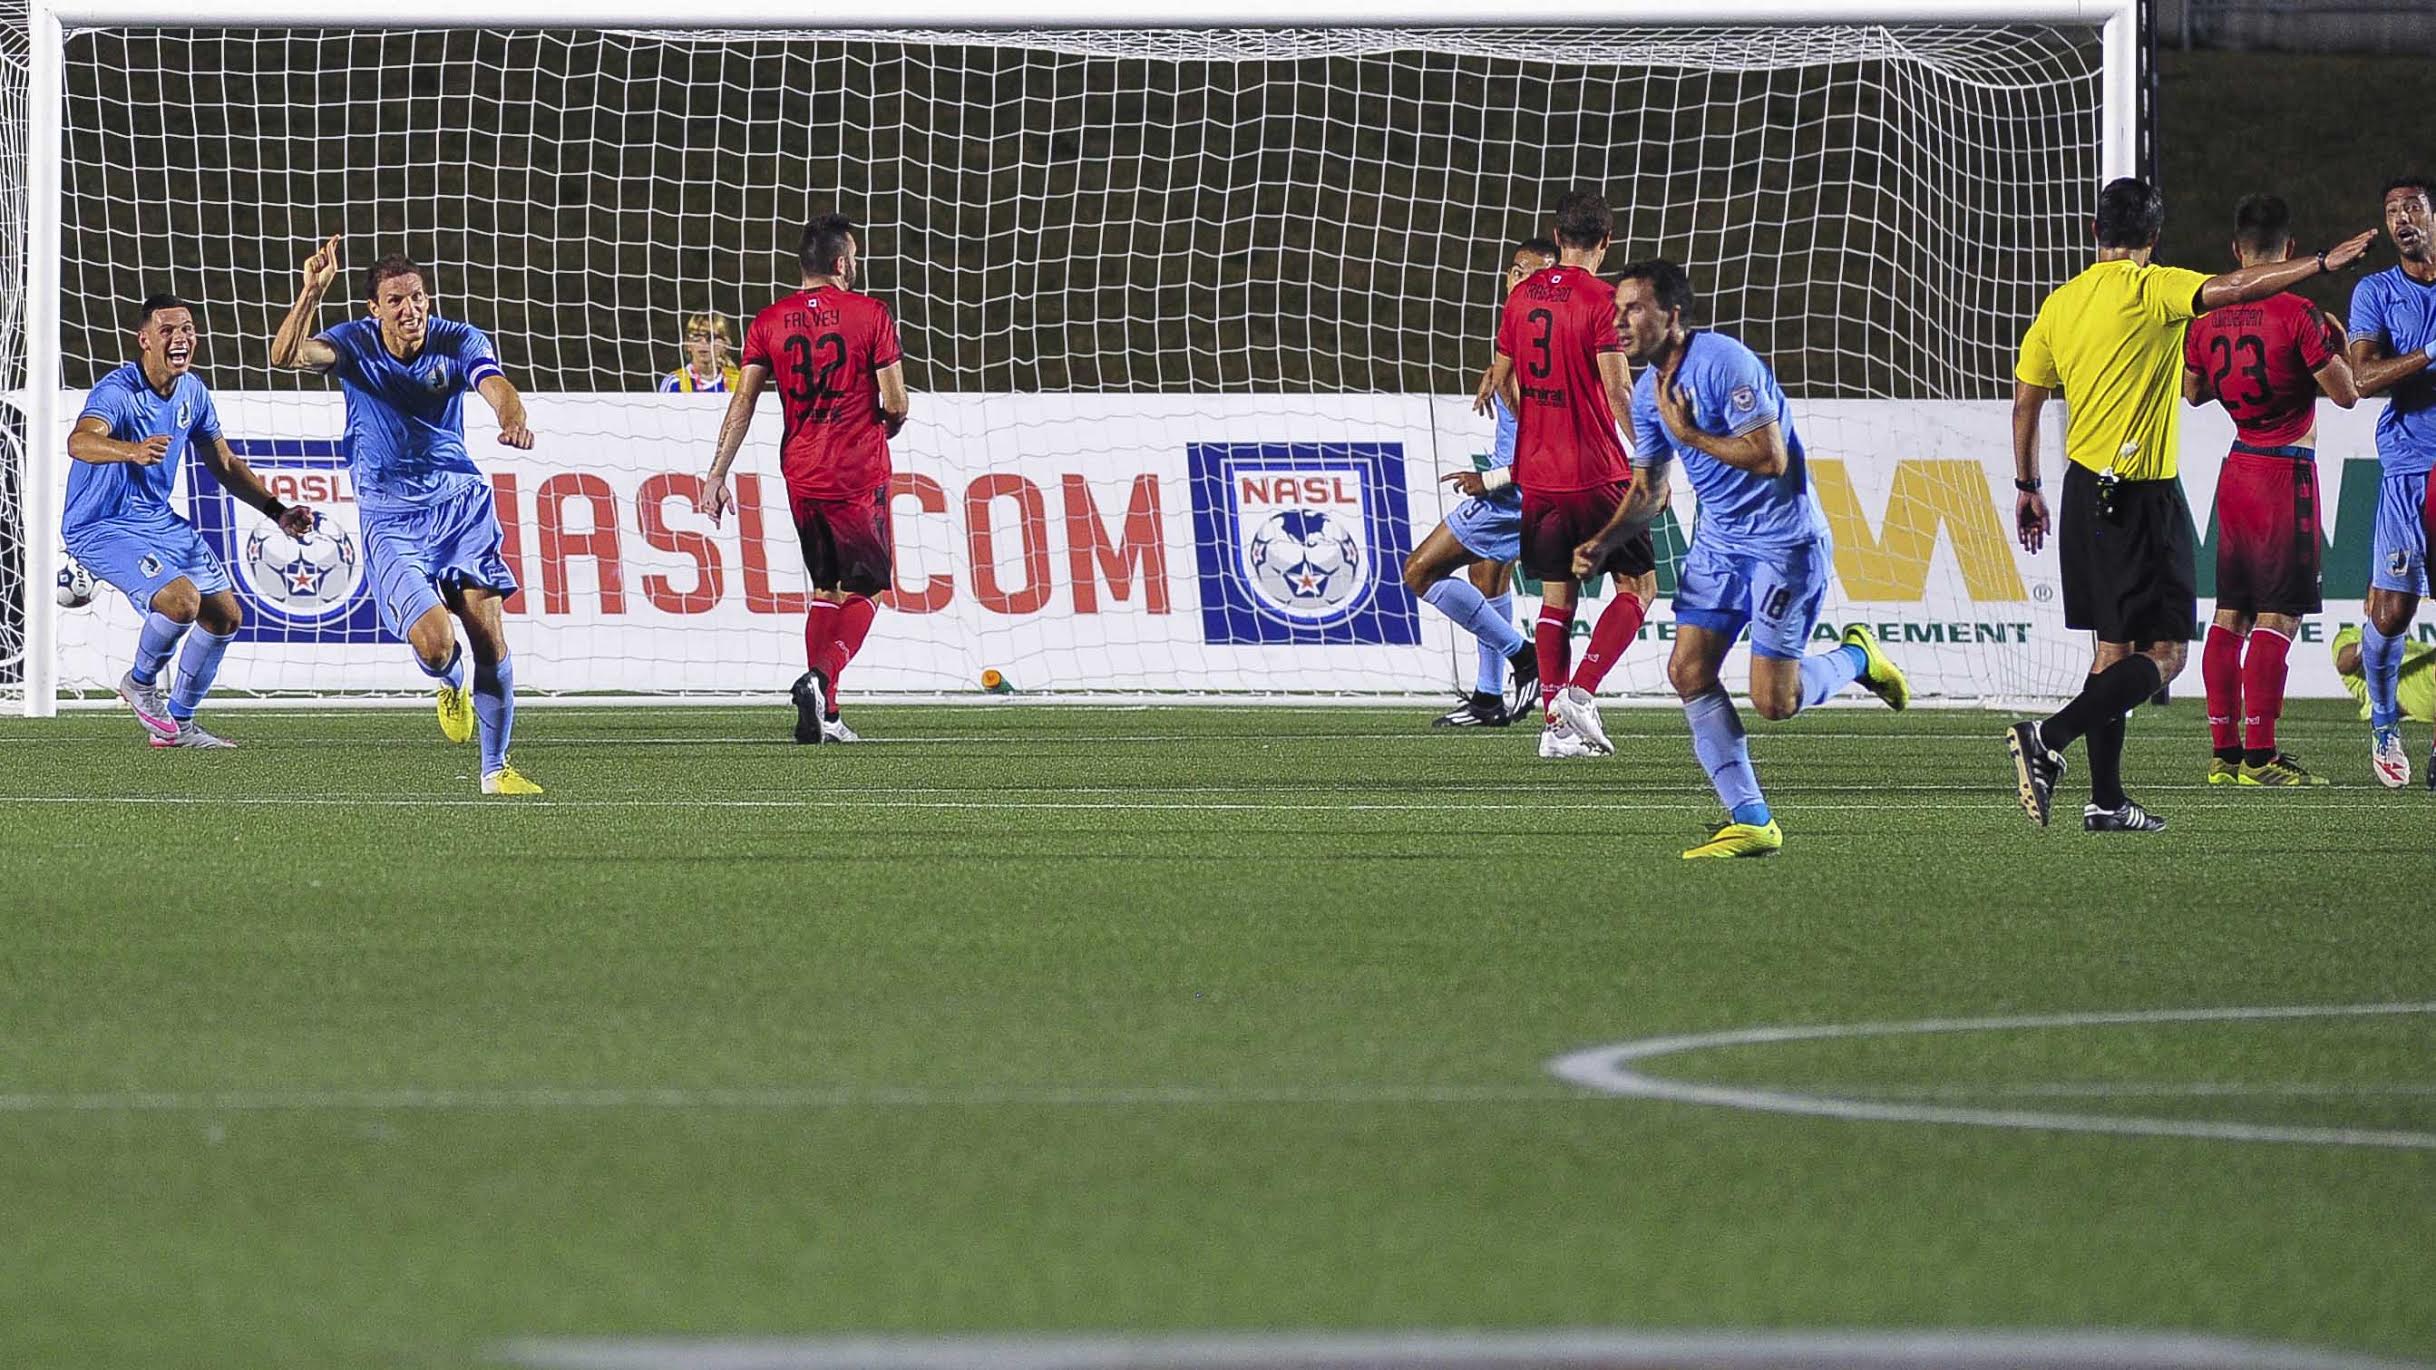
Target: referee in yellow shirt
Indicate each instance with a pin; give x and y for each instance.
(2111, 340)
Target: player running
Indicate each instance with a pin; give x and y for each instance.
(136, 427)
(841, 391)
(1485, 535)
(2393, 341)
(2266, 362)
(1760, 552)
(431, 532)
(1561, 367)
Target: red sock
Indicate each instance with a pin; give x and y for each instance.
(850, 625)
(1552, 643)
(2262, 686)
(820, 629)
(2220, 668)
(1619, 624)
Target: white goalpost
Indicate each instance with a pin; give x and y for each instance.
(1192, 312)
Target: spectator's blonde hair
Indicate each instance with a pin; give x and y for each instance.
(716, 324)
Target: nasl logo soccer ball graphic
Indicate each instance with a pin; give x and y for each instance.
(1307, 562)
(75, 584)
(305, 577)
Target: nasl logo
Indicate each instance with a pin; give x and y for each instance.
(1298, 542)
(308, 589)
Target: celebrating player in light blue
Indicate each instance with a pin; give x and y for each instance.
(2393, 343)
(1759, 555)
(127, 445)
(431, 534)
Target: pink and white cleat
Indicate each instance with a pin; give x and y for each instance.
(151, 706)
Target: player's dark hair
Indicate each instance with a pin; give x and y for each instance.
(395, 264)
(1543, 247)
(1669, 282)
(2425, 185)
(154, 304)
(825, 239)
(2262, 224)
(1583, 219)
(2130, 213)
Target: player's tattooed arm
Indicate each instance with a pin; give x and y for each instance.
(239, 479)
(714, 499)
(2375, 369)
(90, 442)
(505, 402)
(296, 348)
(1642, 504)
(2029, 506)
(895, 404)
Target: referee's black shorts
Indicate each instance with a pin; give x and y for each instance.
(2130, 575)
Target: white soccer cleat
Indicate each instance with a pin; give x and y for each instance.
(191, 734)
(835, 730)
(151, 706)
(1558, 742)
(2387, 759)
(1579, 710)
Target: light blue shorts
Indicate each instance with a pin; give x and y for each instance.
(1490, 529)
(1775, 591)
(139, 556)
(413, 553)
(2400, 561)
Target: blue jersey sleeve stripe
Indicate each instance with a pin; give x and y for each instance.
(482, 370)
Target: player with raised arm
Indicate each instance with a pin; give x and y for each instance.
(431, 532)
(1560, 366)
(2266, 362)
(1484, 535)
(2393, 343)
(841, 391)
(1760, 552)
(137, 425)
(2112, 339)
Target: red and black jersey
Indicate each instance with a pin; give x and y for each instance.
(824, 349)
(2261, 360)
(1556, 325)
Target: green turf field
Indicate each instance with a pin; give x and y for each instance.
(1175, 1019)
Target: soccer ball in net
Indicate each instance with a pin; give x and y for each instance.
(1307, 562)
(307, 576)
(75, 583)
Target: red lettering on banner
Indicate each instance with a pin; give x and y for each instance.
(931, 498)
(983, 542)
(511, 539)
(1140, 551)
(758, 594)
(710, 577)
(318, 488)
(558, 544)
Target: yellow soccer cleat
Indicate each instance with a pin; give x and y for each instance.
(1740, 839)
(2223, 772)
(507, 780)
(2281, 772)
(1879, 674)
(456, 710)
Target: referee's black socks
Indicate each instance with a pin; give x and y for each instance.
(2109, 695)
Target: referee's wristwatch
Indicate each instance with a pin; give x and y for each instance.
(2027, 487)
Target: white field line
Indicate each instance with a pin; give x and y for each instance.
(778, 736)
(1689, 805)
(2128, 1089)
(1616, 1070)
(771, 1098)
(1450, 1350)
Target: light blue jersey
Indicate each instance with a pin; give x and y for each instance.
(1503, 454)
(120, 492)
(1732, 392)
(405, 441)
(2391, 307)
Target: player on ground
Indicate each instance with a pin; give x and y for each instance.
(841, 391)
(2266, 363)
(431, 532)
(2415, 685)
(2393, 341)
(1485, 535)
(1561, 367)
(135, 429)
(2111, 338)
(1760, 552)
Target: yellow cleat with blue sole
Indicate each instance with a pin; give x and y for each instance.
(1879, 674)
(456, 710)
(1740, 839)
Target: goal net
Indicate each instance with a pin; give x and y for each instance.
(1191, 318)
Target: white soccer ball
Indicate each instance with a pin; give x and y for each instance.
(305, 576)
(1308, 560)
(75, 583)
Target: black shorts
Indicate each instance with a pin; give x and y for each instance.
(847, 544)
(1556, 523)
(2132, 577)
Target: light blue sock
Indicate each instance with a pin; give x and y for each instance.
(1490, 679)
(1828, 672)
(1459, 600)
(453, 673)
(495, 706)
(152, 649)
(2381, 662)
(1725, 753)
(196, 667)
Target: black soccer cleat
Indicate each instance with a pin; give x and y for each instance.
(2036, 768)
(1477, 710)
(1522, 689)
(2130, 818)
(811, 695)
(2432, 770)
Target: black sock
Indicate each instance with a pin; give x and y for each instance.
(2110, 693)
(2258, 756)
(2104, 743)
(2232, 755)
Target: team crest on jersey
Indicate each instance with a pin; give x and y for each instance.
(148, 565)
(1297, 542)
(1742, 399)
(186, 414)
(310, 589)
(438, 380)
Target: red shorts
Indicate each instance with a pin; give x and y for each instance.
(847, 543)
(1555, 523)
(2267, 547)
